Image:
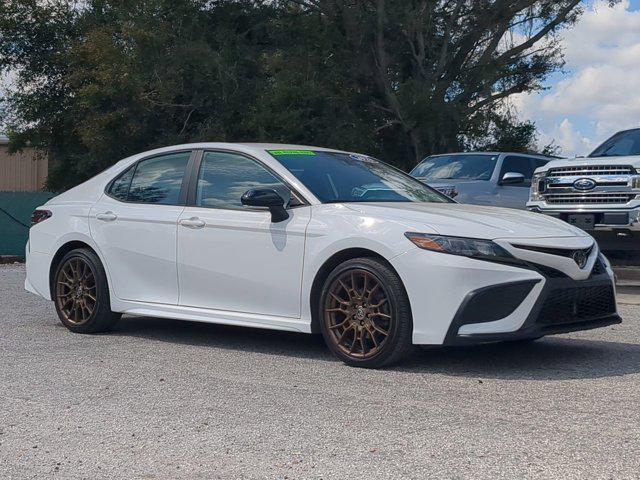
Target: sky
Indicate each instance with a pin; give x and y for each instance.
(598, 92)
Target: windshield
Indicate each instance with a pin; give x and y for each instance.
(456, 167)
(342, 177)
(621, 144)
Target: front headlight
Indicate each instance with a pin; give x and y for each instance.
(467, 247)
(537, 187)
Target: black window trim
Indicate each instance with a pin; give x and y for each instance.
(195, 173)
(182, 196)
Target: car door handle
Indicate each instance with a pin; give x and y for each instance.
(193, 222)
(106, 216)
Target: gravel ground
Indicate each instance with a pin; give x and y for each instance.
(162, 399)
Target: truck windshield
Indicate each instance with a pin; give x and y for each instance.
(343, 177)
(620, 145)
(456, 167)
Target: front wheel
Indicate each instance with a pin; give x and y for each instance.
(365, 316)
(81, 293)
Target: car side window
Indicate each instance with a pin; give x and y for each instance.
(517, 164)
(120, 186)
(155, 180)
(224, 177)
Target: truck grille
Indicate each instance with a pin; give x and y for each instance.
(591, 170)
(597, 198)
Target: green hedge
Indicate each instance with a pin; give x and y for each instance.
(15, 218)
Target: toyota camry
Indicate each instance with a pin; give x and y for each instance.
(310, 240)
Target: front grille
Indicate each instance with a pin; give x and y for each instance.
(593, 198)
(577, 304)
(562, 252)
(591, 170)
(548, 271)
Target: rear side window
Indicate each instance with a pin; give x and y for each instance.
(156, 180)
(120, 187)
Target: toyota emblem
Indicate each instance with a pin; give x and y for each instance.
(580, 257)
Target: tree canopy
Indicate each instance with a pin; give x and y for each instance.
(98, 80)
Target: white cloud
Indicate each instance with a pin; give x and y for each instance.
(600, 94)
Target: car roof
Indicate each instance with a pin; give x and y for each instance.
(242, 147)
(248, 146)
(284, 146)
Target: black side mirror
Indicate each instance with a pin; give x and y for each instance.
(512, 178)
(269, 198)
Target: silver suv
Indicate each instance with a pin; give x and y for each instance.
(481, 178)
(600, 193)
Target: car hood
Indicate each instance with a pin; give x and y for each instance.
(468, 220)
(633, 160)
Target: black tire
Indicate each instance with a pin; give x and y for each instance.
(397, 344)
(99, 318)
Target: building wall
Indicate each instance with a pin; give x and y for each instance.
(24, 171)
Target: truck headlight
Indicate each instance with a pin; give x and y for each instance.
(538, 187)
(466, 247)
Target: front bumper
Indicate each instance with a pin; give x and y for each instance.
(441, 287)
(605, 219)
(563, 305)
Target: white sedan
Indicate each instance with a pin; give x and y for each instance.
(310, 240)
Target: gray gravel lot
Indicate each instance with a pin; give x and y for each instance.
(162, 399)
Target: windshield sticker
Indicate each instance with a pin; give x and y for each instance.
(291, 152)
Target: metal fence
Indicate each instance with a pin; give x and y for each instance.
(15, 218)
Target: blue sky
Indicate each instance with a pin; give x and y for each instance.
(598, 92)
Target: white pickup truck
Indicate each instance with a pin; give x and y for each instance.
(599, 193)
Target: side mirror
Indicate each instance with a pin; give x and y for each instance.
(269, 198)
(512, 178)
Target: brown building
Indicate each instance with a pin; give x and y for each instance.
(24, 171)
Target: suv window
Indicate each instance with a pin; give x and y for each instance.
(224, 177)
(155, 180)
(523, 165)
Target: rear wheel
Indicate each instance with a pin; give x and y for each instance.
(365, 316)
(81, 293)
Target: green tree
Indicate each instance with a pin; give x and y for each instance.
(438, 70)
(99, 82)
(102, 79)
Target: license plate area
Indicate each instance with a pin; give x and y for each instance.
(585, 221)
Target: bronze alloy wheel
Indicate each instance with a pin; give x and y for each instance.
(76, 291)
(357, 314)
